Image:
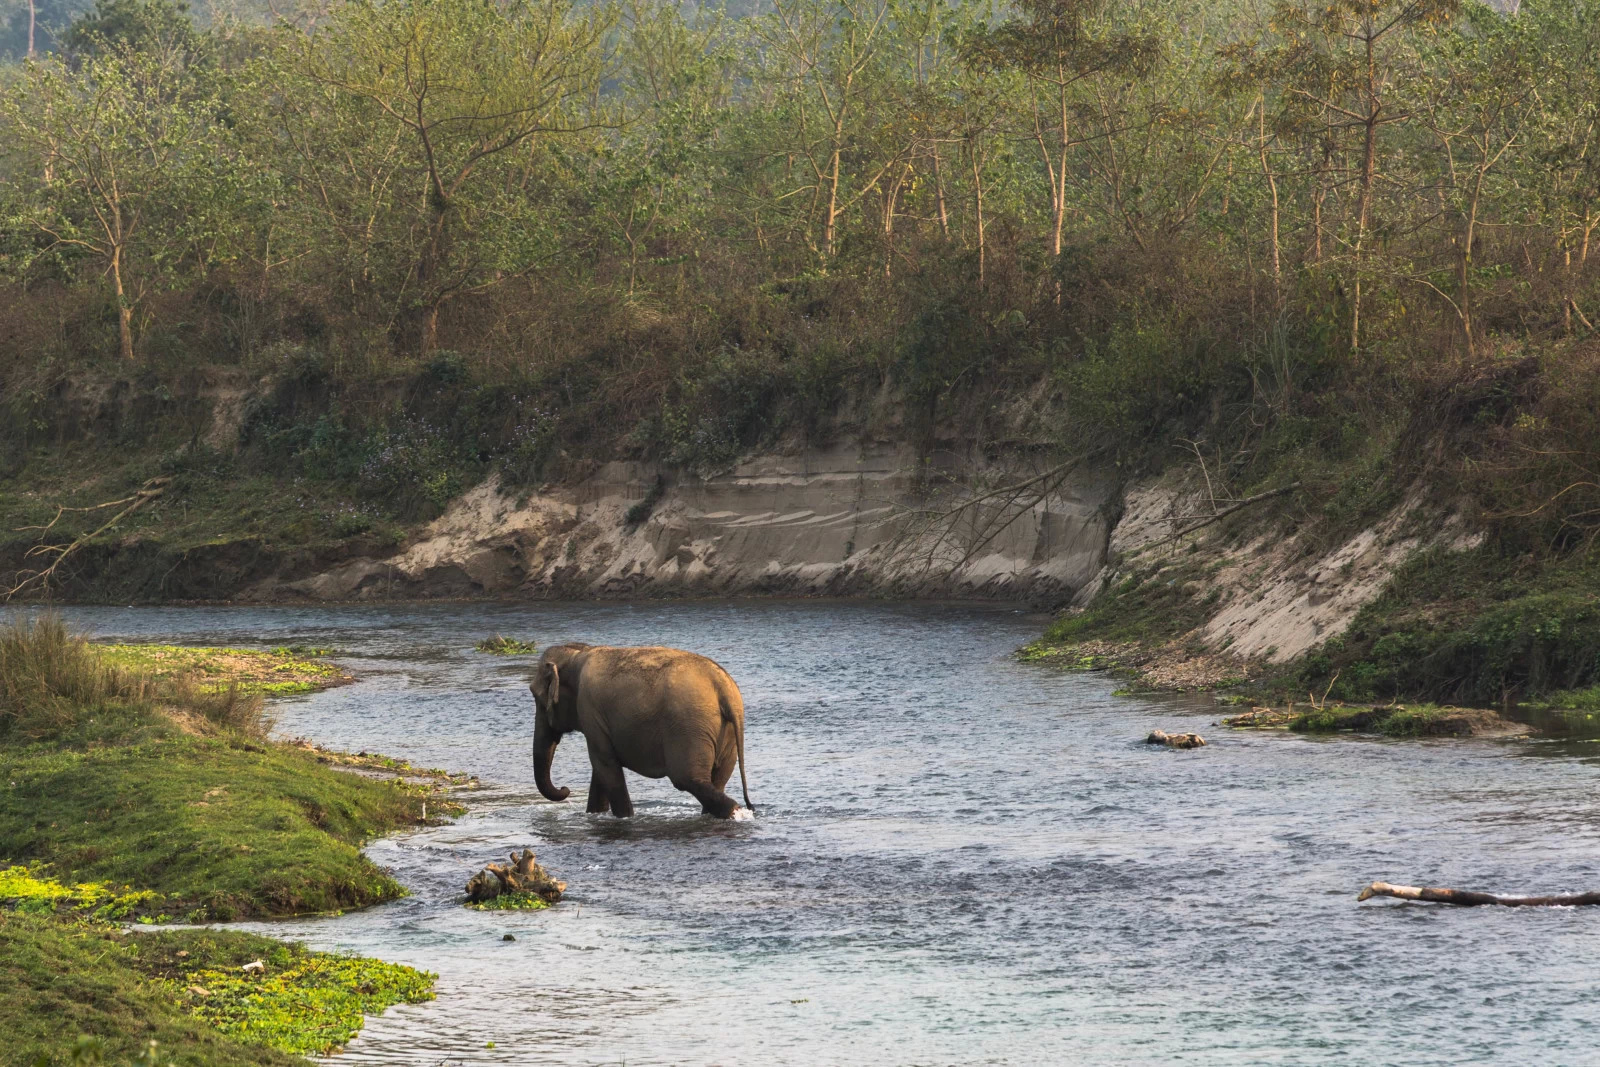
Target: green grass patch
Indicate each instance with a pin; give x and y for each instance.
(1148, 607)
(79, 991)
(273, 671)
(222, 829)
(506, 646)
(111, 776)
(1568, 700)
(1416, 720)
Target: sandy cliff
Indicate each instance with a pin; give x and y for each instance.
(838, 520)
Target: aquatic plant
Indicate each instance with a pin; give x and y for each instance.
(512, 902)
(308, 1003)
(506, 646)
(85, 991)
(278, 670)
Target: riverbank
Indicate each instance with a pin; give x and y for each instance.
(157, 798)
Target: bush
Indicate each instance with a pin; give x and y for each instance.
(415, 469)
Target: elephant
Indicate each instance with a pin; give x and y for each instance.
(659, 712)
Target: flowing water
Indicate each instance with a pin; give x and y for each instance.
(958, 859)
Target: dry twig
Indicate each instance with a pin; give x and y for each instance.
(151, 490)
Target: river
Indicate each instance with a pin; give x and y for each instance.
(958, 859)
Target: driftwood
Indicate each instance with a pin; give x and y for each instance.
(151, 490)
(1468, 898)
(521, 875)
(1161, 737)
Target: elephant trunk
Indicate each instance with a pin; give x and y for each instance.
(544, 753)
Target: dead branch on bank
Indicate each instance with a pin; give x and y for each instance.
(1004, 506)
(151, 490)
(1222, 514)
(1468, 898)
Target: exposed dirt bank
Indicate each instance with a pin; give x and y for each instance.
(842, 520)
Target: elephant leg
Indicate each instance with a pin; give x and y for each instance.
(713, 801)
(692, 768)
(727, 756)
(599, 795)
(606, 773)
(609, 777)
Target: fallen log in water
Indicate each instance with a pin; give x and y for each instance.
(521, 875)
(1161, 737)
(1470, 899)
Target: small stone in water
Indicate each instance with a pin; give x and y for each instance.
(509, 937)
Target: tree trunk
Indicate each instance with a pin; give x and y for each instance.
(1059, 193)
(938, 191)
(1468, 898)
(124, 309)
(977, 196)
(833, 192)
(1369, 161)
(1272, 185)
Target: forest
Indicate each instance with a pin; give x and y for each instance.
(1153, 204)
(1346, 247)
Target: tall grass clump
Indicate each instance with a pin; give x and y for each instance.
(52, 682)
(50, 679)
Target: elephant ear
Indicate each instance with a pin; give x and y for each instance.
(548, 685)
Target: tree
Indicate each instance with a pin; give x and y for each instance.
(826, 51)
(1339, 67)
(467, 84)
(1476, 100)
(132, 26)
(110, 150)
(1059, 45)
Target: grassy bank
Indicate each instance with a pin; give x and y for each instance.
(149, 797)
(278, 670)
(101, 991)
(1470, 628)
(168, 784)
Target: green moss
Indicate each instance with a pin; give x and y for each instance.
(93, 988)
(506, 646)
(512, 902)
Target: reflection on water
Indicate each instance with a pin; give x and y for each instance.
(958, 860)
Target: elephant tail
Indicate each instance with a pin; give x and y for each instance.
(738, 736)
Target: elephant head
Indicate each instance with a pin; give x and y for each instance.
(555, 700)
